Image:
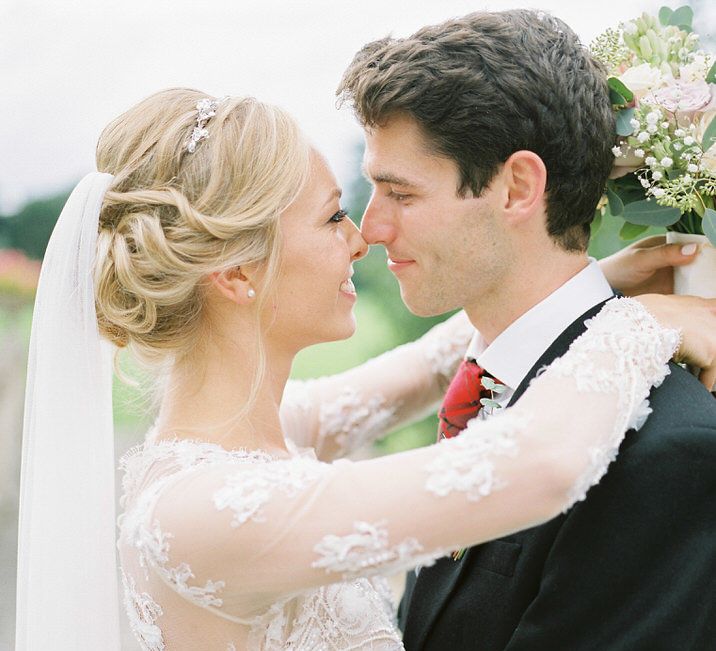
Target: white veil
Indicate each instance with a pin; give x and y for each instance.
(67, 576)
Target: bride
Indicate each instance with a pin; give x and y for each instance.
(213, 245)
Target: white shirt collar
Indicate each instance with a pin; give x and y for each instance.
(516, 350)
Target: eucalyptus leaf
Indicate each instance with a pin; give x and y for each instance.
(683, 18)
(620, 89)
(711, 76)
(499, 389)
(709, 135)
(488, 383)
(616, 205)
(631, 231)
(490, 404)
(623, 118)
(627, 187)
(616, 99)
(596, 222)
(709, 225)
(665, 14)
(649, 213)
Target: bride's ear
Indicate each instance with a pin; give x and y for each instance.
(234, 285)
(525, 179)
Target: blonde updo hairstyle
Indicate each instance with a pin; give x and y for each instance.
(171, 217)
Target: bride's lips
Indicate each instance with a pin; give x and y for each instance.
(398, 264)
(348, 288)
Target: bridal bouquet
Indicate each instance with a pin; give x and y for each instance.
(663, 89)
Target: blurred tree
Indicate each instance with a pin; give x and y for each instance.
(29, 230)
(4, 234)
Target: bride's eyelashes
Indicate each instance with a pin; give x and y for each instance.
(338, 216)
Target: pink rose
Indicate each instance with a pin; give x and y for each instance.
(684, 99)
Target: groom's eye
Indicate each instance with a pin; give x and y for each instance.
(398, 196)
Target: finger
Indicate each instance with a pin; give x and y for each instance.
(648, 242)
(666, 255)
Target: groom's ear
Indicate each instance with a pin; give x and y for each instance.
(524, 179)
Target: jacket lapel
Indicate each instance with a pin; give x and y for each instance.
(437, 583)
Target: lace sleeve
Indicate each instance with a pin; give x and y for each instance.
(341, 413)
(236, 538)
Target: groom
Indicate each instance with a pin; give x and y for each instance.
(488, 144)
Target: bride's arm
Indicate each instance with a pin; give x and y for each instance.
(266, 531)
(341, 413)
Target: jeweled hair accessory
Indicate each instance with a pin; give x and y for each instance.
(207, 110)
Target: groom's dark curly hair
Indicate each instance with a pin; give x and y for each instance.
(492, 83)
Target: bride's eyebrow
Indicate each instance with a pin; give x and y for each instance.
(336, 193)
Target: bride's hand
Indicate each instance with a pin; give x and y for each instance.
(696, 318)
(646, 266)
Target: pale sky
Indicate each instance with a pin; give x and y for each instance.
(68, 67)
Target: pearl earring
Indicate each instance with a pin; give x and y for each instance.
(251, 293)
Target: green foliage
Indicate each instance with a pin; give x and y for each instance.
(630, 231)
(624, 127)
(709, 135)
(619, 93)
(681, 18)
(649, 213)
(709, 225)
(616, 205)
(29, 230)
(608, 238)
(711, 75)
(664, 15)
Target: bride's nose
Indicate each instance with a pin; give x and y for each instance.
(358, 246)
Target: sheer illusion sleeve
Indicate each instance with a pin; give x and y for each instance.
(341, 413)
(236, 538)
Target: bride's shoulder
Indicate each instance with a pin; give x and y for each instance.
(159, 461)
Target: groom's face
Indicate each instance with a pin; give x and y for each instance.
(445, 250)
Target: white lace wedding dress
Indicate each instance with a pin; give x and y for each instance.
(238, 549)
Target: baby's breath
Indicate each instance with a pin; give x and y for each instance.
(609, 48)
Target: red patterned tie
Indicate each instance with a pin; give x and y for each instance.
(462, 399)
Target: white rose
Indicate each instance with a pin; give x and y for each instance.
(642, 79)
(696, 70)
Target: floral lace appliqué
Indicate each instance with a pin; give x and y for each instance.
(250, 488)
(353, 420)
(444, 354)
(142, 613)
(341, 616)
(367, 550)
(466, 463)
(625, 332)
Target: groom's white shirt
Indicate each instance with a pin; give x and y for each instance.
(517, 348)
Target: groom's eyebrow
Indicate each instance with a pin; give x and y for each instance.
(386, 177)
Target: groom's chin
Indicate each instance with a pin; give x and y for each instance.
(424, 306)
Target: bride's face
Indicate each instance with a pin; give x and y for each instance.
(319, 243)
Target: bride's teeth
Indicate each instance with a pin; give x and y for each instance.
(348, 287)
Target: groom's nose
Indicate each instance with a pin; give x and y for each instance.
(377, 225)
